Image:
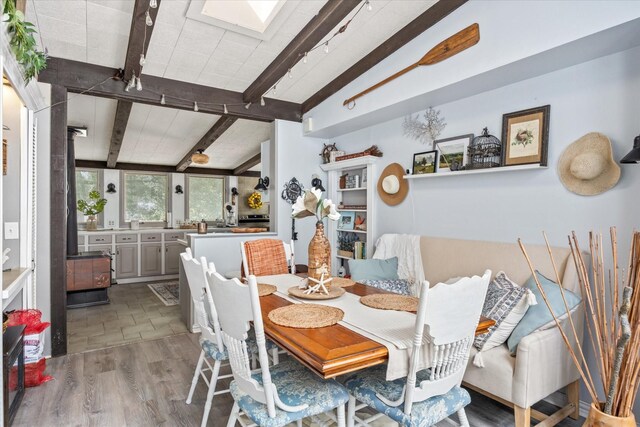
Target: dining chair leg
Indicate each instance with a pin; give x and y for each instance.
(275, 356)
(254, 362)
(212, 389)
(340, 411)
(233, 416)
(351, 411)
(196, 377)
(462, 417)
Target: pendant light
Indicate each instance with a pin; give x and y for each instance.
(199, 157)
(634, 155)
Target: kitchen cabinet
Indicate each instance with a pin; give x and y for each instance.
(172, 253)
(126, 261)
(151, 259)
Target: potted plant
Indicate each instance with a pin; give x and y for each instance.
(92, 207)
(612, 304)
(311, 203)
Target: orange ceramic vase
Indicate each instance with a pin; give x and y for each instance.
(597, 418)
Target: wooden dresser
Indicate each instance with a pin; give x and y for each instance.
(88, 277)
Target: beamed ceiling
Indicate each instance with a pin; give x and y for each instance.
(192, 57)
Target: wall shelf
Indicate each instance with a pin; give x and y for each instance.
(352, 189)
(353, 231)
(477, 171)
(351, 210)
(345, 165)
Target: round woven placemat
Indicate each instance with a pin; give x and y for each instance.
(341, 282)
(299, 293)
(265, 289)
(306, 316)
(391, 302)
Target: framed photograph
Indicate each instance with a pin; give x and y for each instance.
(525, 136)
(347, 220)
(425, 162)
(452, 152)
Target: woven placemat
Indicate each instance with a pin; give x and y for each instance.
(391, 302)
(333, 293)
(306, 316)
(265, 289)
(341, 282)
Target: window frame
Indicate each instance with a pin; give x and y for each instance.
(123, 191)
(188, 192)
(100, 188)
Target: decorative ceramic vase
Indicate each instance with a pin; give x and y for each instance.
(597, 418)
(92, 222)
(319, 252)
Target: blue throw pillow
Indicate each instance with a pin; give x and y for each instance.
(539, 315)
(373, 269)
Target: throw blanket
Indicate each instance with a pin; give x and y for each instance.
(266, 257)
(407, 248)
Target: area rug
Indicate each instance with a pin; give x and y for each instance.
(168, 292)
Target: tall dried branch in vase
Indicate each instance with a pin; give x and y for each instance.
(613, 327)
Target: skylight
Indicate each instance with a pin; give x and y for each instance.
(254, 15)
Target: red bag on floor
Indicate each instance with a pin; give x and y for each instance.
(35, 363)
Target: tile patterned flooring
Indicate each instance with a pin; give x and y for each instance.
(135, 314)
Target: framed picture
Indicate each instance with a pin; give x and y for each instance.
(425, 162)
(347, 220)
(452, 152)
(525, 136)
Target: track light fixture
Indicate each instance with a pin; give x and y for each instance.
(225, 109)
(247, 106)
(138, 84)
(163, 101)
(195, 106)
(147, 19)
(153, 4)
(262, 102)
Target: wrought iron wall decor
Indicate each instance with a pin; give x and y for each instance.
(292, 190)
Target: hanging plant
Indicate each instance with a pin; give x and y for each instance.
(255, 200)
(22, 41)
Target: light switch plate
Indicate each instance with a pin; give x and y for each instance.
(11, 231)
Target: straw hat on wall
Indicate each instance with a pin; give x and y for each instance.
(392, 187)
(587, 167)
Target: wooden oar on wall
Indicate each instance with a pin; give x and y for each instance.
(446, 49)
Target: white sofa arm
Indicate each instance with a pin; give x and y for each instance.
(543, 362)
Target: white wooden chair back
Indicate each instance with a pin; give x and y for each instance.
(448, 314)
(235, 321)
(195, 271)
(289, 252)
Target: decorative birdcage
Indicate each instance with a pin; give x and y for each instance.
(485, 151)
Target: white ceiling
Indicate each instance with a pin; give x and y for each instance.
(96, 31)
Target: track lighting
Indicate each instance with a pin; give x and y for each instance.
(147, 19)
(304, 58)
(326, 47)
(153, 4)
(273, 90)
(369, 6)
(290, 73)
(247, 106)
(142, 60)
(138, 84)
(162, 100)
(262, 102)
(195, 106)
(225, 109)
(131, 84)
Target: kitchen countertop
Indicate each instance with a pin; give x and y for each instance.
(148, 230)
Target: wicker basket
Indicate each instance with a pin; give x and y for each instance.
(319, 252)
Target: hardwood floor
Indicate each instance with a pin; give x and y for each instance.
(134, 314)
(146, 384)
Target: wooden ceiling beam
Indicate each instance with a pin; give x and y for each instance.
(205, 142)
(96, 80)
(96, 164)
(139, 35)
(410, 31)
(244, 167)
(331, 14)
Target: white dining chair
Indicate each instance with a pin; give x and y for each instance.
(273, 396)
(289, 254)
(210, 339)
(449, 314)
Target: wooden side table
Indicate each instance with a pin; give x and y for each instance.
(13, 379)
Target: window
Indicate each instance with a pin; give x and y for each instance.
(205, 198)
(145, 197)
(86, 181)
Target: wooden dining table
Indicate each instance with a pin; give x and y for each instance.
(332, 350)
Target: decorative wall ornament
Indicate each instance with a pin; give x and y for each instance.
(111, 188)
(292, 190)
(427, 131)
(326, 152)
(485, 151)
